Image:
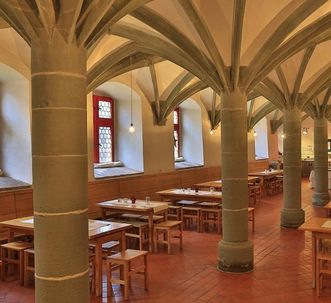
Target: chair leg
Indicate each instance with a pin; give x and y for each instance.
(109, 284)
(126, 281)
(168, 241)
(181, 236)
(146, 272)
(21, 266)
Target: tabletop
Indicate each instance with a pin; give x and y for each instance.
(218, 183)
(190, 193)
(96, 228)
(139, 205)
(267, 173)
(321, 225)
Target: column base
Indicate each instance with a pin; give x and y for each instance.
(320, 199)
(292, 218)
(236, 257)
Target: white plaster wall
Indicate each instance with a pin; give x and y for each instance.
(211, 142)
(129, 147)
(15, 125)
(261, 140)
(158, 144)
(191, 130)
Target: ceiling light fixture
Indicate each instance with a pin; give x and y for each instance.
(283, 136)
(305, 130)
(255, 134)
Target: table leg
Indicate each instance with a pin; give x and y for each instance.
(103, 213)
(314, 243)
(150, 231)
(98, 269)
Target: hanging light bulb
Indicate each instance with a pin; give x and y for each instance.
(255, 134)
(304, 130)
(283, 136)
(131, 128)
(212, 132)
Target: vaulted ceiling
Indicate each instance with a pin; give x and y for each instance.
(277, 49)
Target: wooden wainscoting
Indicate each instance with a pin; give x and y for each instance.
(259, 165)
(19, 202)
(146, 185)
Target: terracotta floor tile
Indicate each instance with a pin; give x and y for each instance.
(282, 272)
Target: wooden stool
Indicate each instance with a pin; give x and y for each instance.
(28, 264)
(13, 253)
(138, 231)
(91, 263)
(211, 215)
(190, 214)
(165, 228)
(108, 248)
(123, 260)
(175, 213)
(251, 217)
(323, 260)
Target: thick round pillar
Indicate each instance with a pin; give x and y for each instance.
(235, 250)
(59, 150)
(321, 194)
(292, 214)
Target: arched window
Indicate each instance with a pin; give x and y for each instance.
(261, 140)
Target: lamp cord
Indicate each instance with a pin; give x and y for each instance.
(131, 91)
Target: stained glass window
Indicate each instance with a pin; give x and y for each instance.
(105, 144)
(176, 133)
(103, 109)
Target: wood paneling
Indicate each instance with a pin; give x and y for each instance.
(19, 203)
(259, 165)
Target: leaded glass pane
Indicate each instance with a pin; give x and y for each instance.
(105, 144)
(175, 117)
(176, 144)
(104, 109)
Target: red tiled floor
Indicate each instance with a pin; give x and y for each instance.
(282, 271)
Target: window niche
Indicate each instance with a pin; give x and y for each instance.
(126, 153)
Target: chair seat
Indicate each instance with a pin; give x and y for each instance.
(155, 218)
(169, 223)
(187, 202)
(17, 246)
(191, 208)
(128, 255)
(209, 204)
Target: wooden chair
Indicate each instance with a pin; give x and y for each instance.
(251, 217)
(92, 272)
(191, 214)
(251, 194)
(108, 248)
(323, 260)
(211, 215)
(175, 213)
(123, 261)
(28, 264)
(139, 231)
(13, 253)
(166, 229)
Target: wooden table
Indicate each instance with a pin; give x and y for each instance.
(315, 225)
(99, 232)
(217, 184)
(201, 196)
(140, 208)
(266, 174)
(328, 209)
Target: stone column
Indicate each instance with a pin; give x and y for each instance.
(59, 150)
(235, 250)
(321, 194)
(292, 214)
